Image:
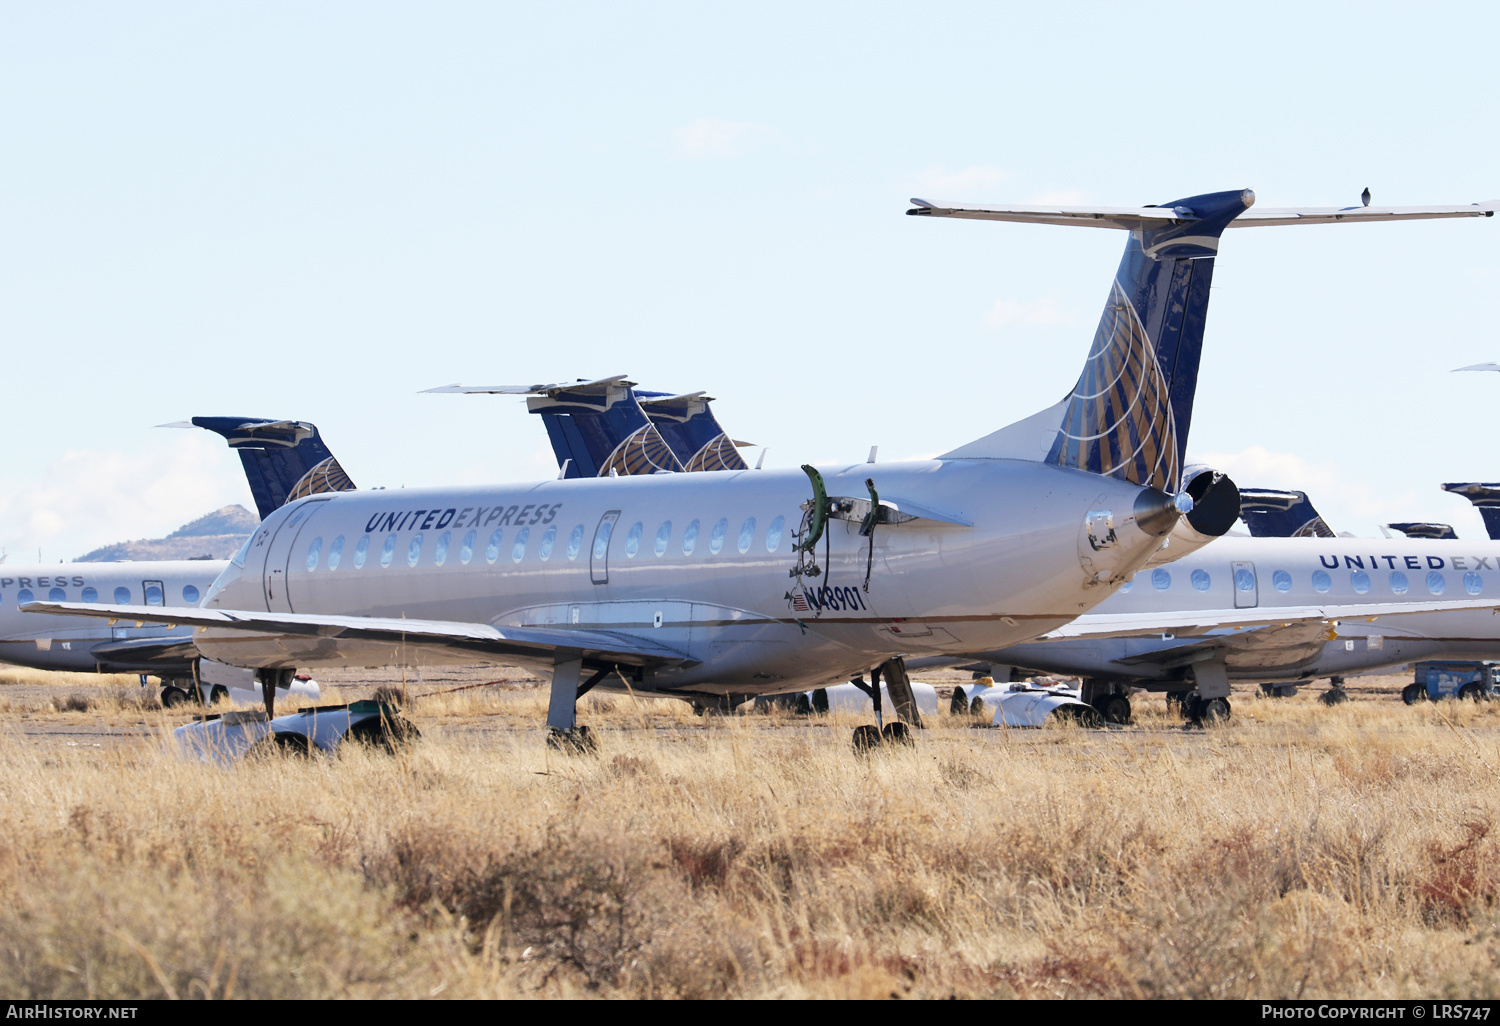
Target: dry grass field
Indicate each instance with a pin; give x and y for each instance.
(1299, 852)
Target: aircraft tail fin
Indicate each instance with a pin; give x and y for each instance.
(1129, 414)
(1426, 530)
(1272, 513)
(596, 427)
(1486, 497)
(688, 424)
(284, 460)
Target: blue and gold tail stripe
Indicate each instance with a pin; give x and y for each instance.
(644, 451)
(719, 454)
(327, 476)
(1119, 418)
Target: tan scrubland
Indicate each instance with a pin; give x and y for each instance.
(1301, 851)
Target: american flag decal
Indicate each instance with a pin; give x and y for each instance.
(799, 603)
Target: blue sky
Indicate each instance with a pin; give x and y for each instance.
(315, 210)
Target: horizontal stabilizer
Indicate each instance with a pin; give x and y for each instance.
(581, 386)
(1149, 218)
(522, 642)
(1436, 532)
(1134, 625)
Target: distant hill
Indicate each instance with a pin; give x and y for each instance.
(214, 536)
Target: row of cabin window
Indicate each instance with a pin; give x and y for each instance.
(190, 595)
(467, 545)
(1244, 580)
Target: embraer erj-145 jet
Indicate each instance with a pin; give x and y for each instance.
(760, 582)
(1167, 620)
(283, 460)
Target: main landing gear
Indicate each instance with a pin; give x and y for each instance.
(1335, 695)
(564, 734)
(867, 737)
(1198, 710)
(1112, 700)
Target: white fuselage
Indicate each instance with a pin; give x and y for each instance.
(1275, 572)
(700, 562)
(50, 642)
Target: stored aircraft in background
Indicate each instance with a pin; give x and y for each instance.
(283, 460)
(606, 427)
(1273, 513)
(736, 583)
(1485, 497)
(1176, 624)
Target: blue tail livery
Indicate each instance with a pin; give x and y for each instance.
(689, 426)
(1129, 414)
(284, 460)
(1272, 513)
(1486, 497)
(1426, 530)
(597, 428)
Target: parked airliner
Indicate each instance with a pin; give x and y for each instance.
(1222, 580)
(607, 427)
(759, 582)
(282, 459)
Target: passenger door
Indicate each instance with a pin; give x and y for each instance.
(1246, 587)
(599, 554)
(279, 555)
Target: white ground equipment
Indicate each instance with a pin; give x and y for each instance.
(1006, 705)
(1033, 705)
(226, 738)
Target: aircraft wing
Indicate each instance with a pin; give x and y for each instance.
(528, 643)
(1191, 622)
(138, 655)
(1272, 636)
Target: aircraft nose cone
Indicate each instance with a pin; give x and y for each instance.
(1156, 512)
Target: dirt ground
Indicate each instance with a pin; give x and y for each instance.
(119, 711)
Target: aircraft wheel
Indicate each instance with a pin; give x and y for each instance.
(1473, 692)
(1214, 710)
(820, 700)
(976, 706)
(1413, 693)
(579, 741)
(866, 739)
(171, 696)
(804, 705)
(1116, 709)
(898, 733)
(1083, 715)
(1334, 696)
(219, 694)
